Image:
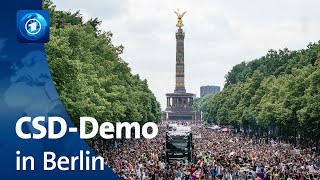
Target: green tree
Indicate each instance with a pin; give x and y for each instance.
(277, 94)
(91, 77)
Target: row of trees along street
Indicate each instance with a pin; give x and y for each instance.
(277, 95)
(91, 77)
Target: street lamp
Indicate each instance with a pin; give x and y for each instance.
(195, 118)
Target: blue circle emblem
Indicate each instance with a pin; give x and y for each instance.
(33, 26)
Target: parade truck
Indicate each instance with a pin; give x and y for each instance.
(178, 145)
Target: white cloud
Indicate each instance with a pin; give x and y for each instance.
(219, 34)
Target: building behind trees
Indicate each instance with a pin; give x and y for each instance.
(205, 90)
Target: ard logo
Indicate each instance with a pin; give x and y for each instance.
(33, 26)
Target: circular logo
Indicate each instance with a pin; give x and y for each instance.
(33, 26)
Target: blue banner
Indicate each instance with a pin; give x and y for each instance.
(27, 89)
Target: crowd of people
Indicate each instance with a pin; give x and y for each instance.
(216, 155)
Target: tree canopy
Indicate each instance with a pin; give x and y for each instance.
(91, 77)
(278, 94)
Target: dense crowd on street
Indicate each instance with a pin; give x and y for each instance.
(216, 155)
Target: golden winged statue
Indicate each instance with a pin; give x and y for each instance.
(180, 16)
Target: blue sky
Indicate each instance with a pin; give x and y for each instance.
(219, 34)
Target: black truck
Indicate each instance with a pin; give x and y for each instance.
(178, 144)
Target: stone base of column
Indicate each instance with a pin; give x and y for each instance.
(180, 90)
